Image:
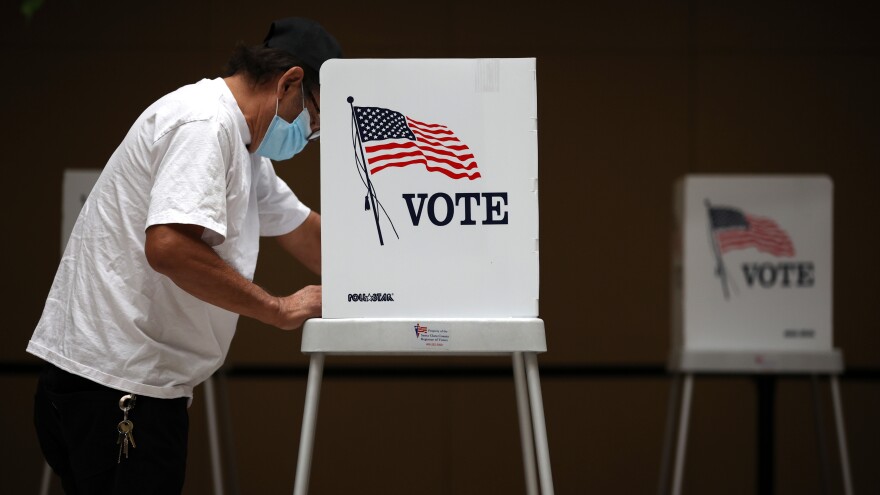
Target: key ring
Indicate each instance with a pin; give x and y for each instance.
(126, 403)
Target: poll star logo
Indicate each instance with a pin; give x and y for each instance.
(731, 229)
(384, 139)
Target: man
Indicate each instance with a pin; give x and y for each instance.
(159, 264)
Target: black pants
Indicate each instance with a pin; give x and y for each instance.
(76, 421)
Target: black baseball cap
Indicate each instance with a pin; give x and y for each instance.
(305, 39)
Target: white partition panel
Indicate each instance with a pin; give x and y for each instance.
(753, 266)
(429, 188)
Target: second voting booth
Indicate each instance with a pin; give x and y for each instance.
(429, 206)
(752, 290)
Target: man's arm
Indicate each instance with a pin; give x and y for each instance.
(178, 252)
(304, 242)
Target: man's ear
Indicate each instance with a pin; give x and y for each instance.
(290, 79)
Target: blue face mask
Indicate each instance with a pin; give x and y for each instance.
(284, 139)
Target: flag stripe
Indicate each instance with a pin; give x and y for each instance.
(375, 159)
(435, 133)
(454, 147)
(422, 161)
(410, 144)
(425, 135)
(433, 129)
(439, 151)
(460, 163)
(453, 175)
(735, 238)
(394, 156)
(429, 126)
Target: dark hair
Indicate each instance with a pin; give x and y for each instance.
(261, 64)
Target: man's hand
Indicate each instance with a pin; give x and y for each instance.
(298, 307)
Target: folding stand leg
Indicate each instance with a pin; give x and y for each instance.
(46, 479)
(310, 417)
(227, 445)
(538, 424)
(821, 438)
(213, 435)
(675, 389)
(841, 436)
(682, 433)
(525, 424)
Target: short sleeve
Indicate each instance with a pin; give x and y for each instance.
(281, 211)
(189, 184)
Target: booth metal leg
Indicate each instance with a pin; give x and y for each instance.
(45, 479)
(666, 454)
(525, 424)
(821, 437)
(682, 433)
(227, 445)
(213, 435)
(538, 423)
(766, 386)
(841, 436)
(310, 417)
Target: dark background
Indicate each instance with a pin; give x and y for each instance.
(631, 95)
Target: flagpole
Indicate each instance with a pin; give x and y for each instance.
(720, 270)
(370, 194)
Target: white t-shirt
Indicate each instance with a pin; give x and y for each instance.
(109, 316)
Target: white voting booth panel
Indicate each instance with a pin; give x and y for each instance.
(429, 192)
(752, 287)
(429, 225)
(75, 189)
(753, 273)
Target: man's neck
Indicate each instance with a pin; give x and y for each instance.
(250, 100)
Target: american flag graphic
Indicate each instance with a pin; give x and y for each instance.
(420, 329)
(391, 139)
(735, 229)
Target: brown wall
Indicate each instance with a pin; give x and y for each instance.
(631, 95)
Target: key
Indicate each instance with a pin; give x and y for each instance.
(125, 427)
(128, 429)
(122, 441)
(126, 403)
(119, 442)
(122, 427)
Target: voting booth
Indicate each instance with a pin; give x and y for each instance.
(429, 209)
(752, 284)
(753, 274)
(429, 188)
